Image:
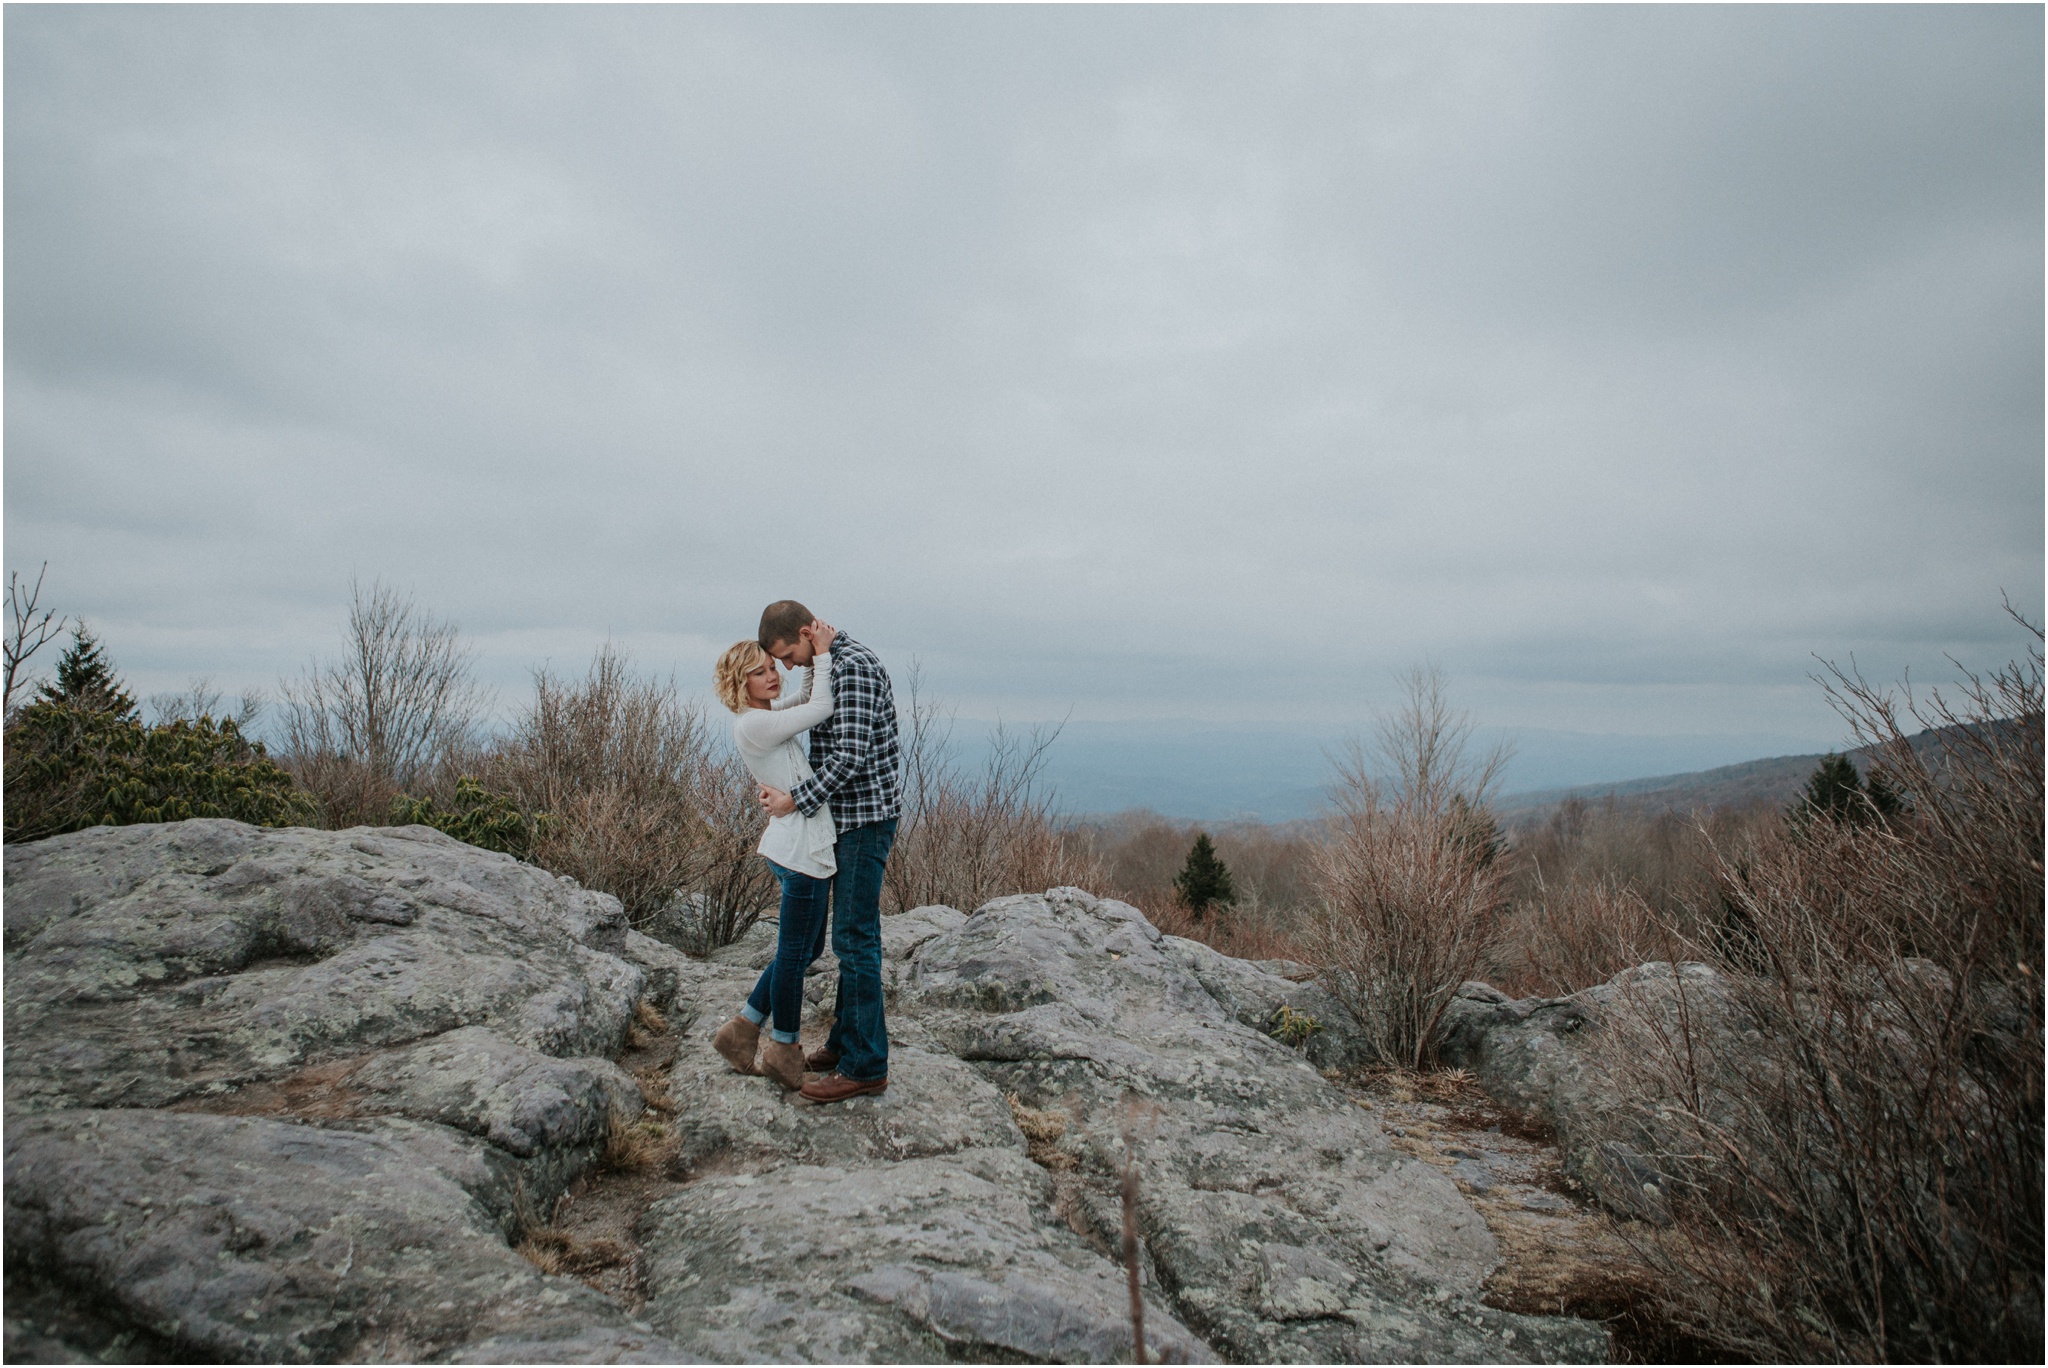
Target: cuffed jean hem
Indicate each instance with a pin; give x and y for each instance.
(751, 1014)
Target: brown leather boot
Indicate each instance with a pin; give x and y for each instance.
(737, 1041)
(837, 1087)
(822, 1060)
(784, 1063)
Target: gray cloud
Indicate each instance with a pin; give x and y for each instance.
(1150, 362)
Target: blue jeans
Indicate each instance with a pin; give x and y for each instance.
(799, 940)
(858, 1033)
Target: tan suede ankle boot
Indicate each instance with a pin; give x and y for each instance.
(784, 1063)
(737, 1040)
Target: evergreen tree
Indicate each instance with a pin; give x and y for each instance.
(1835, 792)
(1204, 880)
(86, 679)
(1888, 801)
(1475, 831)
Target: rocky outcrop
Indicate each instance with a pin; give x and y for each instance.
(151, 964)
(1584, 1065)
(292, 1095)
(1277, 1220)
(409, 1035)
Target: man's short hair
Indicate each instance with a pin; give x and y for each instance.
(781, 621)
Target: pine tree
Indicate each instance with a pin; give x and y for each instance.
(1836, 793)
(1888, 801)
(1204, 880)
(86, 679)
(1474, 830)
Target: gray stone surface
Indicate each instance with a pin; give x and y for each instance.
(935, 1105)
(266, 1241)
(384, 1011)
(520, 1101)
(1078, 1004)
(911, 1262)
(293, 1095)
(1556, 1060)
(146, 964)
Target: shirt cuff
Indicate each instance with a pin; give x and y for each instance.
(806, 798)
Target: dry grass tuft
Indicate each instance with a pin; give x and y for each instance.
(1445, 1087)
(654, 1089)
(639, 1146)
(649, 1018)
(1042, 1133)
(558, 1252)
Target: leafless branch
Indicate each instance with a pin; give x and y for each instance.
(30, 628)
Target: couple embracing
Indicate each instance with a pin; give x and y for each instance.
(831, 821)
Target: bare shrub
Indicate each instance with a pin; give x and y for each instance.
(1858, 1174)
(1596, 888)
(30, 627)
(376, 721)
(1140, 852)
(1569, 936)
(967, 838)
(729, 881)
(1251, 929)
(646, 804)
(201, 699)
(1411, 886)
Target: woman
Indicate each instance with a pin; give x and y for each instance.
(798, 848)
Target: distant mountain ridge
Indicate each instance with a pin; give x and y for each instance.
(1775, 781)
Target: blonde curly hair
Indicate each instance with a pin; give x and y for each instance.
(730, 674)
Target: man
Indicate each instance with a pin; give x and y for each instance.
(855, 764)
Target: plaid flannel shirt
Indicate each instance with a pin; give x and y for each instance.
(856, 763)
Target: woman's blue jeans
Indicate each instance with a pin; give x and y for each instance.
(801, 939)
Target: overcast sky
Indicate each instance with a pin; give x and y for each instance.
(1154, 362)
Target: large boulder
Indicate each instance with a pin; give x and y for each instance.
(1276, 1222)
(287, 1095)
(149, 964)
(1584, 1065)
(1276, 1218)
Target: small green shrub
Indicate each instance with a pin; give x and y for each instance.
(73, 765)
(1290, 1027)
(479, 817)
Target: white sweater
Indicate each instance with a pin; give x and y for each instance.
(766, 738)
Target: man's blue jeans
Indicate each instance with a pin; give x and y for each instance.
(859, 1034)
(798, 940)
